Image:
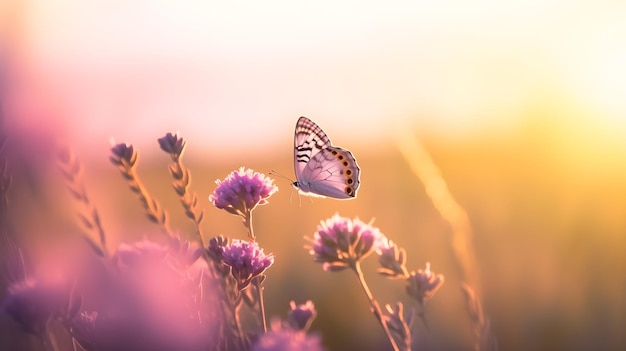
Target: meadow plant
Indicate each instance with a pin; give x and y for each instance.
(169, 293)
(241, 192)
(342, 243)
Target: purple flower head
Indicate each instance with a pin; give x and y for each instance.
(423, 284)
(241, 191)
(123, 154)
(246, 260)
(392, 259)
(215, 252)
(281, 338)
(340, 242)
(31, 303)
(216, 247)
(300, 317)
(172, 144)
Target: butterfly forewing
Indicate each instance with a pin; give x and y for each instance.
(309, 140)
(321, 168)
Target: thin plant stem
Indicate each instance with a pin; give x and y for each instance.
(188, 200)
(182, 180)
(259, 289)
(230, 305)
(247, 222)
(72, 172)
(356, 266)
(461, 240)
(154, 211)
(48, 340)
(74, 345)
(236, 310)
(422, 316)
(127, 164)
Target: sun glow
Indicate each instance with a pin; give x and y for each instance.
(208, 69)
(597, 70)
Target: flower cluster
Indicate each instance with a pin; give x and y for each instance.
(300, 317)
(392, 260)
(246, 260)
(174, 294)
(241, 191)
(123, 154)
(172, 144)
(423, 284)
(340, 242)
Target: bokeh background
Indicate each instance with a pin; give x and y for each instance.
(520, 104)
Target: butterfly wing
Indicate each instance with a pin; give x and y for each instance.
(331, 172)
(309, 140)
(321, 168)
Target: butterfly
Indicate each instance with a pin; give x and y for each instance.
(322, 169)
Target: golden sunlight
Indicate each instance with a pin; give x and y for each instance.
(489, 138)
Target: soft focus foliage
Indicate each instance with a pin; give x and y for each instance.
(282, 338)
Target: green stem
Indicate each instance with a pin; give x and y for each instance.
(259, 289)
(356, 266)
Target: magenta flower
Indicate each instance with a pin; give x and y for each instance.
(246, 260)
(300, 317)
(423, 284)
(281, 338)
(241, 191)
(392, 259)
(340, 242)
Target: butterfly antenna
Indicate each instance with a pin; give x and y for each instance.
(291, 182)
(274, 173)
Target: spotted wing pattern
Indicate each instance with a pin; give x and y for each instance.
(321, 168)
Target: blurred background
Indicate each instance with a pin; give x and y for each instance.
(520, 104)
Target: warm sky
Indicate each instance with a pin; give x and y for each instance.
(224, 71)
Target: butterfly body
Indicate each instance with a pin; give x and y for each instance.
(322, 169)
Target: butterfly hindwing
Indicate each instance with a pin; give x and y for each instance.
(321, 168)
(332, 172)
